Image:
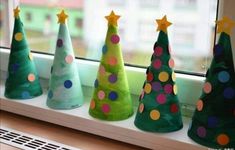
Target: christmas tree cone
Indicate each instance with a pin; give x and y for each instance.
(159, 109)
(213, 122)
(111, 98)
(22, 81)
(65, 90)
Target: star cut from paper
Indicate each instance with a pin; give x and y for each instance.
(162, 24)
(112, 18)
(62, 16)
(225, 25)
(16, 12)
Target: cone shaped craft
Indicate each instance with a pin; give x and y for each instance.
(213, 123)
(159, 109)
(22, 81)
(65, 90)
(111, 98)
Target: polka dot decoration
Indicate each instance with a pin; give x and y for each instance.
(68, 84)
(212, 122)
(163, 76)
(201, 132)
(105, 108)
(112, 61)
(218, 49)
(199, 105)
(174, 108)
(115, 39)
(147, 88)
(158, 51)
(207, 87)
(31, 77)
(18, 36)
(25, 95)
(112, 78)
(171, 63)
(104, 49)
(149, 76)
(101, 95)
(222, 139)
(141, 108)
(173, 77)
(113, 95)
(157, 64)
(50, 94)
(102, 70)
(161, 99)
(154, 114)
(142, 95)
(69, 59)
(15, 67)
(175, 89)
(168, 88)
(156, 86)
(96, 83)
(59, 43)
(223, 76)
(92, 104)
(229, 93)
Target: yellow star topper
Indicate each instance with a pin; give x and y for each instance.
(112, 19)
(62, 17)
(225, 25)
(16, 12)
(163, 24)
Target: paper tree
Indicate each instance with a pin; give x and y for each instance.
(213, 123)
(159, 109)
(65, 90)
(22, 81)
(111, 99)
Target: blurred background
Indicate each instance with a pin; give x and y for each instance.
(191, 36)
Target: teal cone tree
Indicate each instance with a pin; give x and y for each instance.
(159, 109)
(213, 123)
(22, 81)
(65, 90)
(111, 98)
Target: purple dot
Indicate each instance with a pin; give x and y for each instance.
(201, 132)
(59, 42)
(113, 95)
(112, 78)
(218, 49)
(156, 86)
(115, 39)
(229, 93)
(212, 122)
(68, 84)
(15, 67)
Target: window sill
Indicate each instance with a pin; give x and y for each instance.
(79, 119)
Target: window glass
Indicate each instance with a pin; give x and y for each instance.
(191, 36)
(4, 38)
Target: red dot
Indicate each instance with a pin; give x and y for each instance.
(149, 77)
(157, 64)
(174, 108)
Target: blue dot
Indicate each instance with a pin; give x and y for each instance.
(68, 84)
(218, 49)
(223, 76)
(113, 95)
(229, 93)
(212, 122)
(96, 83)
(51, 69)
(15, 67)
(104, 49)
(25, 95)
(50, 94)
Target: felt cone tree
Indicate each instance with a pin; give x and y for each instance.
(159, 109)
(111, 98)
(22, 81)
(213, 123)
(65, 90)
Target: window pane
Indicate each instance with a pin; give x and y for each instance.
(4, 37)
(191, 35)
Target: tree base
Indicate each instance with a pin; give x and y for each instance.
(63, 105)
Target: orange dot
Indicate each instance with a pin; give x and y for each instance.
(18, 36)
(163, 76)
(141, 108)
(154, 114)
(199, 105)
(207, 87)
(92, 104)
(31, 77)
(147, 88)
(112, 60)
(223, 139)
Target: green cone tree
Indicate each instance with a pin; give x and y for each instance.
(22, 81)
(65, 90)
(213, 123)
(111, 98)
(159, 109)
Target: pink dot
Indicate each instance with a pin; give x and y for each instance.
(102, 70)
(69, 59)
(142, 94)
(112, 60)
(158, 51)
(171, 63)
(161, 98)
(115, 39)
(157, 64)
(168, 88)
(106, 108)
(101, 95)
(201, 132)
(207, 87)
